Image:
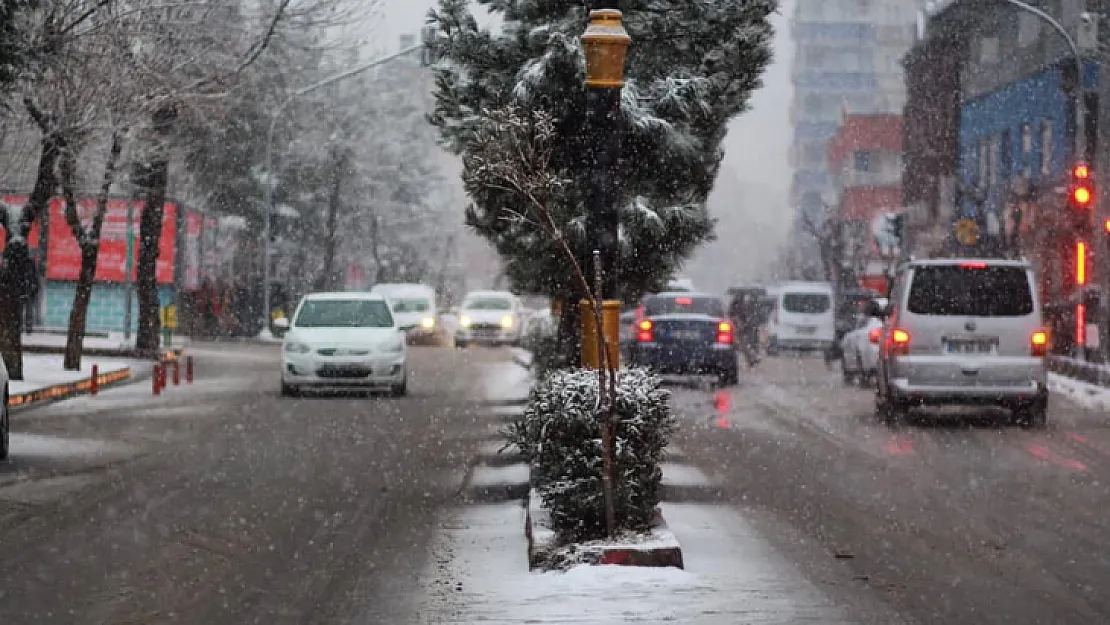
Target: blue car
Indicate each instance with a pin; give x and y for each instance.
(686, 334)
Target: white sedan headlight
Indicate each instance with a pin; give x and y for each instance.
(295, 347)
(464, 321)
(507, 321)
(428, 323)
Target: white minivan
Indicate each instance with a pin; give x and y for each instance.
(803, 317)
(414, 306)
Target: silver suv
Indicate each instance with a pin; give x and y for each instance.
(963, 332)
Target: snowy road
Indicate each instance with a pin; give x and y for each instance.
(224, 503)
(944, 522)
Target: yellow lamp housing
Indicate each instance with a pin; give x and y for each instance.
(605, 43)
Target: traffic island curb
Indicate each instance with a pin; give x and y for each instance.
(658, 548)
(68, 390)
(172, 353)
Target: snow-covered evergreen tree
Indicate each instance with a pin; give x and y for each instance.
(691, 68)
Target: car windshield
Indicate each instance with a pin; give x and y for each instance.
(411, 305)
(344, 313)
(806, 303)
(712, 306)
(488, 303)
(970, 290)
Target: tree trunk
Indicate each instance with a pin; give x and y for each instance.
(326, 281)
(150, 238)
(16, 265)
(90, 248)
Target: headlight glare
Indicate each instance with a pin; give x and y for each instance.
(507, 321)
(428, 323)
(464, 321)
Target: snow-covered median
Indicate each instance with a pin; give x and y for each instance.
(1087, 395)
(42, 371)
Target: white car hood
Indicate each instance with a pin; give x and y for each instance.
(412, 318)
(373, 338)
(486, 316)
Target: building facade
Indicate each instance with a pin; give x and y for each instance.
(991, 126)
(848, 56)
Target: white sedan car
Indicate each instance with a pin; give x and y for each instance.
(5, 418)
(342, 341)
(859, 349)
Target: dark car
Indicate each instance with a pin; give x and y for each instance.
(686, 334)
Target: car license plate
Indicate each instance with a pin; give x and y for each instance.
(806, 329)
(970, 347)
(686, 335)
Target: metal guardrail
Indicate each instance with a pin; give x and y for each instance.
(1092, 373)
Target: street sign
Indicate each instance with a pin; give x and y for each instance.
(169, 317)
(967, 231)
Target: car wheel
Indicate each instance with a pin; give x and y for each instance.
(889, 411)
(1033, 417)
(460, 344)
(5, 428)
(846, 374)
(729, 377)
(772, 346)
(401, 389)
(288, 390)
(865, 376)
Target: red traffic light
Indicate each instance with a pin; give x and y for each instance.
(1081, 196)
(1081, 172)
(1106, 226)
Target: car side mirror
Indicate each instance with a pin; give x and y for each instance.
(877, 310)
(281, 323)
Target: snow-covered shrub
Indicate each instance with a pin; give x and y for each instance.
(560, 435)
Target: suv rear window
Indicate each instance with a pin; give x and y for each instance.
(807, 303)
(684, 305)
(997, 291)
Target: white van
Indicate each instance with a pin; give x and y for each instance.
(414, 306)
(803, 318)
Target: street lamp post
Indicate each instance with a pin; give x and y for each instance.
(605, 43)
(271, 182)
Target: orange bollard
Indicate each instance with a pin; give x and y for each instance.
(189, 369)
(94, 381)
(177, 373)
(156, 379)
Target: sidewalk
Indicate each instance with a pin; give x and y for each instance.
(113, 344)
(45, 380)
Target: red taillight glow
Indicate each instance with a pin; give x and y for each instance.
(973, 265)
(1081, 263)
(874, 335)
(1081, 325)
(724, 332)
(900, 342)
(1039, 344)
(1081, 195)
(683, 301)
(645, 331)
(1081, 172)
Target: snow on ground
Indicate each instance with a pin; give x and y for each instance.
(40, 446)
(510, 475)
(268, 337)
(506, 381)
(1086, 395)
(675, 474)
(43, 370)
(731, 576)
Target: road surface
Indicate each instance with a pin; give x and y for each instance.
(224, 503)
(945, 521)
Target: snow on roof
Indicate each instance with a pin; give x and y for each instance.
(474, 294)
(400, 289)
(345, 295)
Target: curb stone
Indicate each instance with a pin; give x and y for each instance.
(660, 549)
(68, 390)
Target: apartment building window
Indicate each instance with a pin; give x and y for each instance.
(1027, 149)
(1046, 147)
(863, 160)
(984, 162)
(994, 161)
(1029, 29)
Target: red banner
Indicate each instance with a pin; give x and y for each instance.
(63, 254)
(210, 241)
(19, 201)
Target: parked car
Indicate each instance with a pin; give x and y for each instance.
(489, 318)
(342, 341)
(5, 416)
(963, 332)
(803, 318)
(686, 334)
(859, 349)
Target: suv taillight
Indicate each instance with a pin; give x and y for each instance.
(1038, 344)
(874, 335)
(900, 342)
(724, 333)
(645, 331)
